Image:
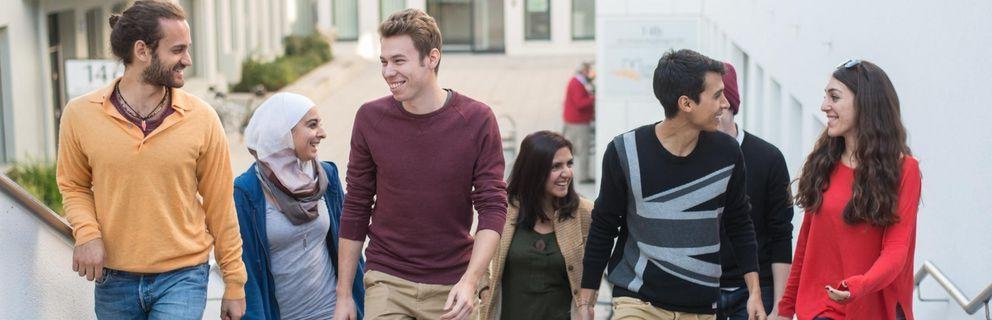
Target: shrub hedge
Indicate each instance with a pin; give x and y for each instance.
(302, 54)
(39, 180)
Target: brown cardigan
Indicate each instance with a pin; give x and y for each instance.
(571, 236)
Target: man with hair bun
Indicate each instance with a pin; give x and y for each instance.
(146, 176)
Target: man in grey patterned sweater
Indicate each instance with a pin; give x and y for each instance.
(667, 190)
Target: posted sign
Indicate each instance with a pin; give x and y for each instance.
(83, 76)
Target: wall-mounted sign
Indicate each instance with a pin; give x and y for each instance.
(631, 52)
(83, 76)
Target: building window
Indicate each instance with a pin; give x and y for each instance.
(456, 21)
(537, 20)
(119, 7)
(94, 33)
(794, 133)
(237, 42)
(5, 124)
(222, 23)
(346, 19)
(193, 19)
(583, 19)
(315, 17)
(773, 114)
(250, 28)
(388, 7)
(301, 17)
(756, 107)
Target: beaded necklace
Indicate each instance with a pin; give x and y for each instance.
(134, 113)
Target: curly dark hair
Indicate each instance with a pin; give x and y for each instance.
(140, 22)
(880, 147)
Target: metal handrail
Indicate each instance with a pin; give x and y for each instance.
(969, 305)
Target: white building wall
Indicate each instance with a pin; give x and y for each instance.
(561, 31)
(631, 35)
(38, 279)
(934, 52)
(208, 41)
(225, 32)
(37, 275)
(231, 29)
(26, 107)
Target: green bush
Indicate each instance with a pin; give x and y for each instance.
(39, 180)
(272, 75)
(302, 55)
(313, 44)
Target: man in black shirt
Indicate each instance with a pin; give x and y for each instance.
(771, 212)
(667, 190)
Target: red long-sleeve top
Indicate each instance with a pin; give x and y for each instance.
(579, 103)
(876, 263)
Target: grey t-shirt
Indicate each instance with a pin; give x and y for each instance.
(301, 267)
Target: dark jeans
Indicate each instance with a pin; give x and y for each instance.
(732, 305)
(179, 294)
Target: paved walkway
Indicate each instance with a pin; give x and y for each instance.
(526, 93)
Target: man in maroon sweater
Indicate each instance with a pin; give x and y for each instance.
(420, 159)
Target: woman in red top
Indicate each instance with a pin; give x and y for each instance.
(860, 188)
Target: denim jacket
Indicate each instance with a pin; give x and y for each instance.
(250, 203)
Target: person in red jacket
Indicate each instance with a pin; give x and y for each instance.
(579, 111)
(860, 188)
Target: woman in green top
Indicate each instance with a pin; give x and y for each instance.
(538, 266)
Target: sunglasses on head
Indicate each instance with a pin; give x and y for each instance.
(849, 64)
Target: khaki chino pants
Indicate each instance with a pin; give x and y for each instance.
(389, 297)
(626, 308)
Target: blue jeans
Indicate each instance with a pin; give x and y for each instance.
(177, 294)
(733, 304)
(900, 315)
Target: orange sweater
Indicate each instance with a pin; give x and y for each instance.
(140, 194)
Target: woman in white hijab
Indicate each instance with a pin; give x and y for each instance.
(289, 208)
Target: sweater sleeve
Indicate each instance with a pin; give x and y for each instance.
(215, 183)
(737, 221)
(608, 216)
(489, 189)
(787, 305)
(359, 200)
(779, 214)
(75, 180)
(896, 239)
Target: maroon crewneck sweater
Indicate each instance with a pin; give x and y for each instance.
(417, 177)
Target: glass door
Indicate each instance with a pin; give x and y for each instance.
(345, 19)
(454, 18)
(468, 25)
(489, 26)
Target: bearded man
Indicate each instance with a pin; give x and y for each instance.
(145, 173)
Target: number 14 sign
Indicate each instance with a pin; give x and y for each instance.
(83, 76)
